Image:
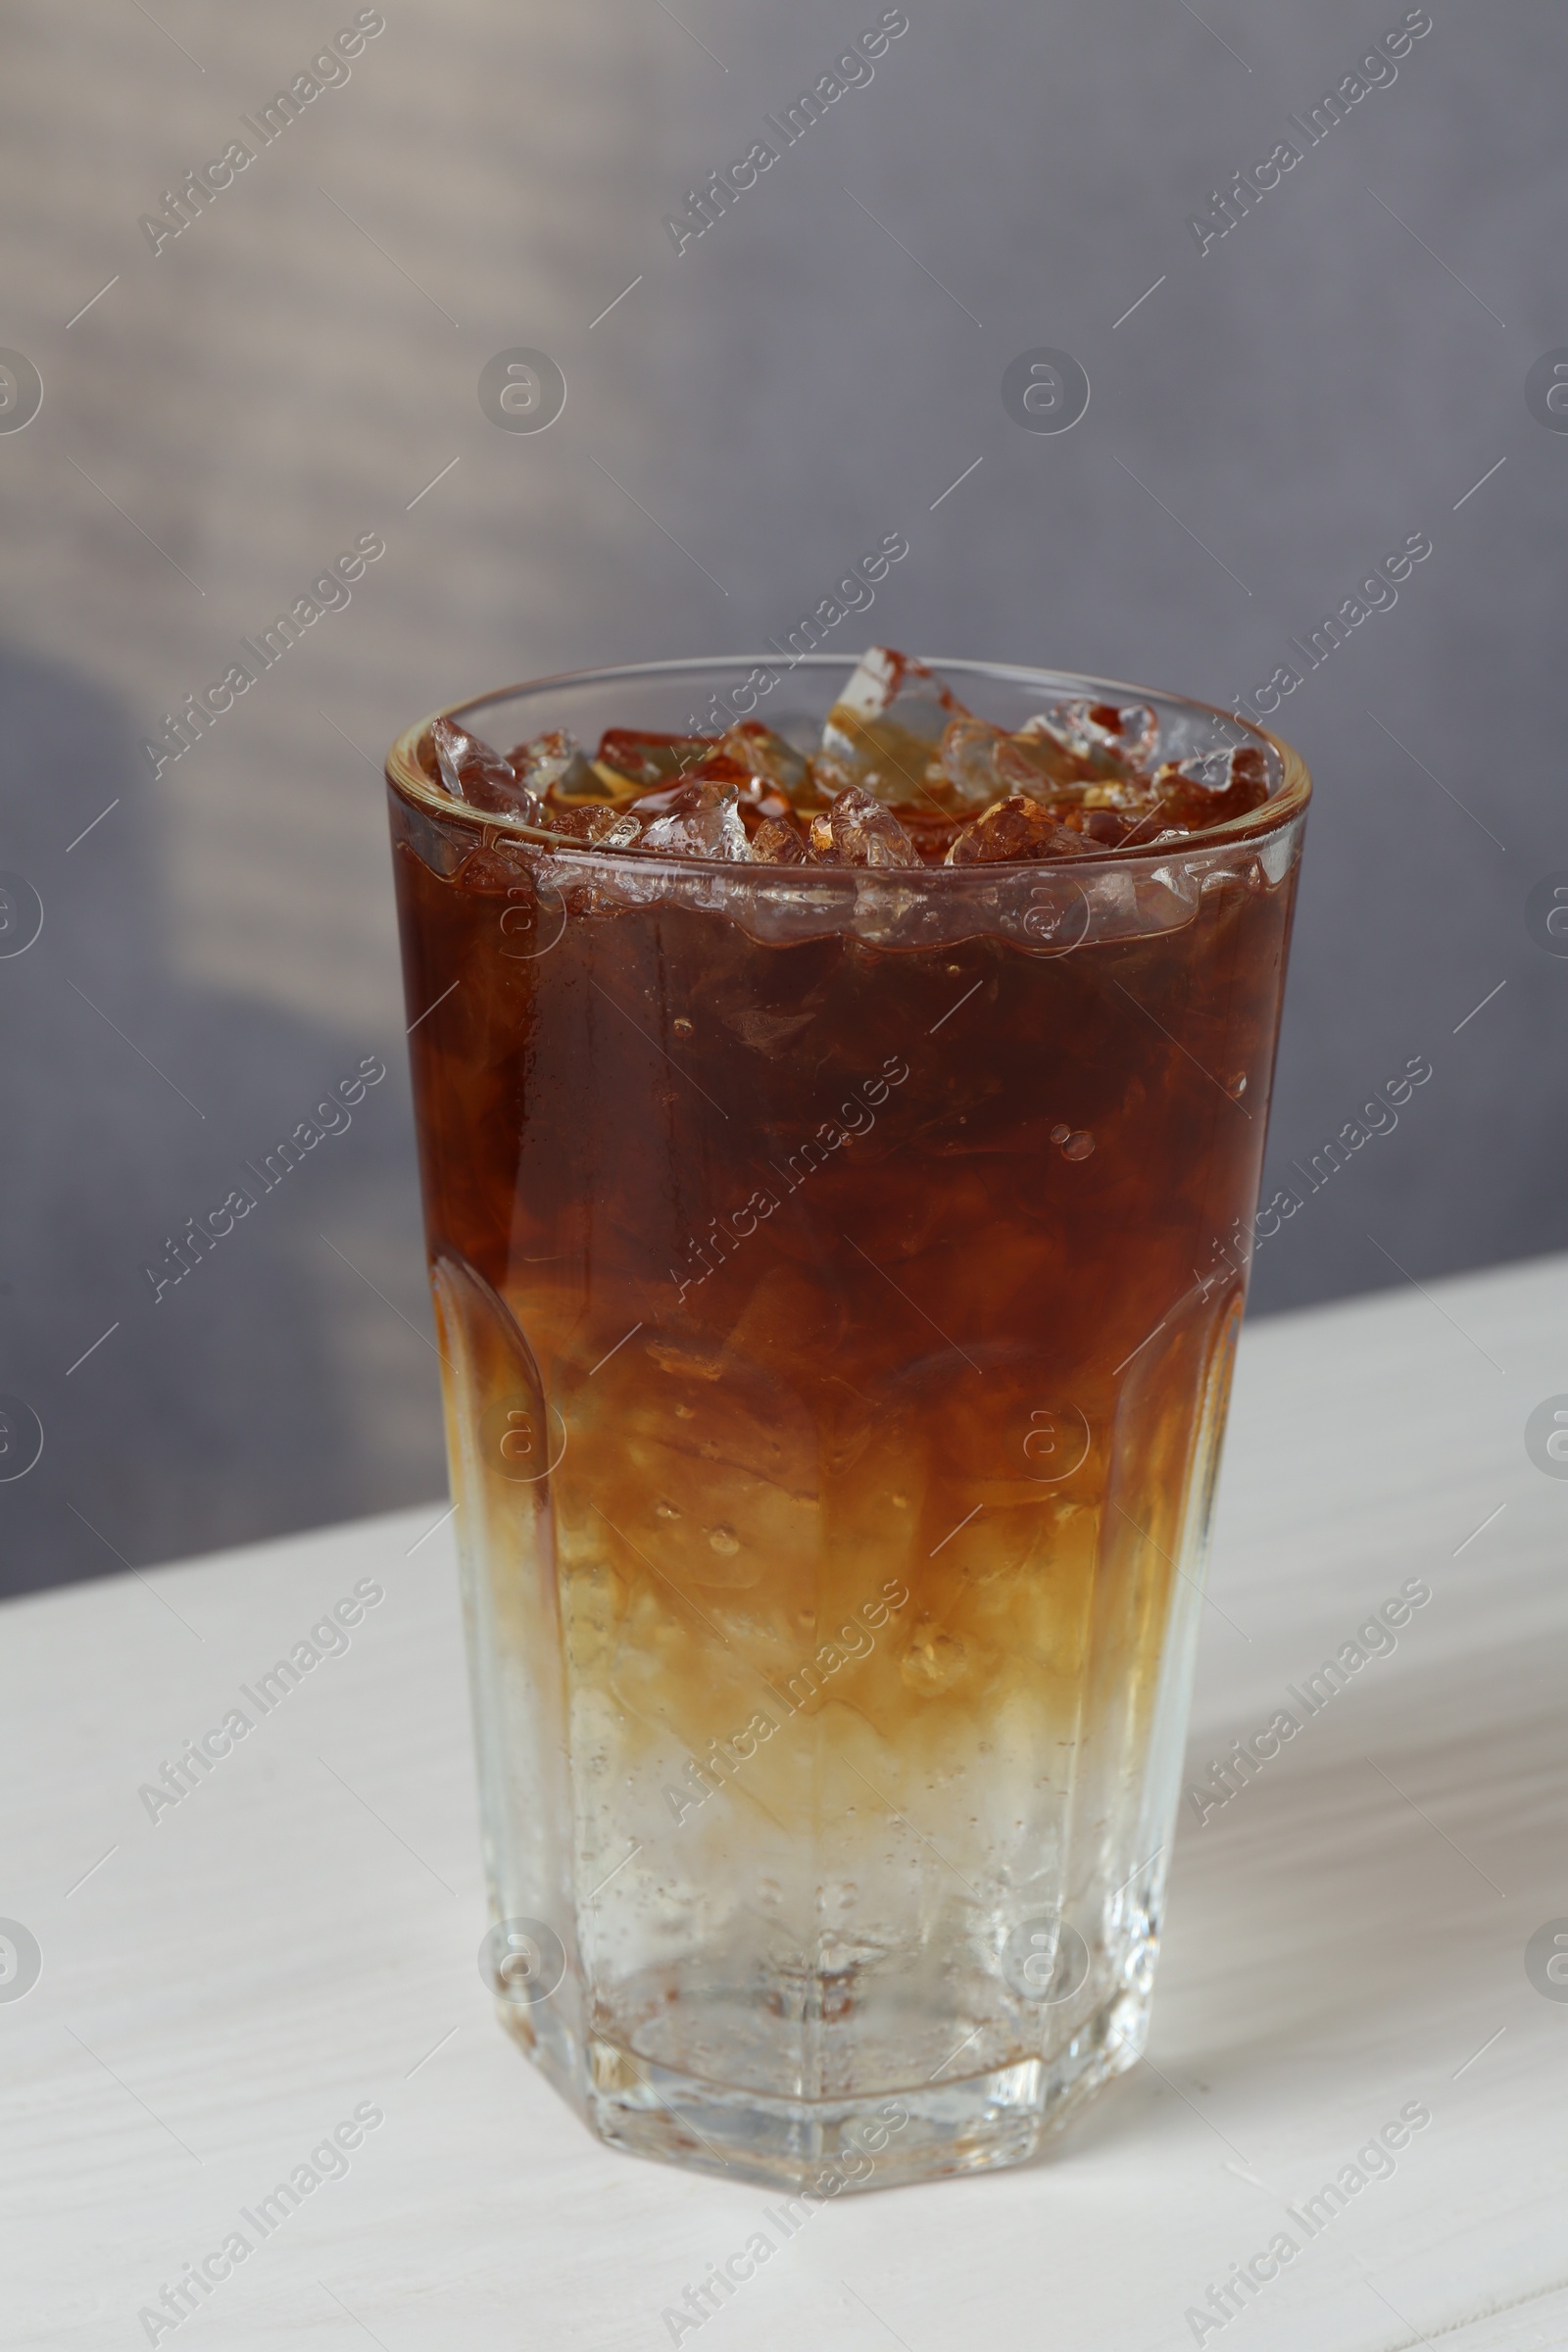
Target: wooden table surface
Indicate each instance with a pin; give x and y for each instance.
(294, 1944)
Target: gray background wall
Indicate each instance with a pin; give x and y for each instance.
(1333, 375)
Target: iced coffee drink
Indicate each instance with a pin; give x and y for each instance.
(838, 1101)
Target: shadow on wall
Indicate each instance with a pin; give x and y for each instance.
(288, 1379)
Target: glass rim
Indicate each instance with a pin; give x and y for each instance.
(406, 777)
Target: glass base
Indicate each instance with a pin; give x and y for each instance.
(821, 2148)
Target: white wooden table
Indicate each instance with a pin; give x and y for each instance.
(296, 1939)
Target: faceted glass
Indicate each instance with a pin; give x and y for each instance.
(837, 1273)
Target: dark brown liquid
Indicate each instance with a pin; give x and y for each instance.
(814, 1270)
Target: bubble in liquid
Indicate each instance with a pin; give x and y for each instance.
(1060, 1132)
(1079, 1146)
(665, 1510)
(682, 1025)
(724, 1540)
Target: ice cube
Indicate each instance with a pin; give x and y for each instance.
(886, 684)
(553, 765)
(456, 752)
(755, 798)
(1237, 770)
(602, 828)
(969, 747)
(883, 732)
(474, 773)
(758, 795)
(879, 757)
(642, 760)
(858, 830)
(1048, 747)
(1110, 828)
(1013, 829)
(1212, 787)
(764, 755)
(1125, 736)
(777, 842)
(983, 764)
(702, 820)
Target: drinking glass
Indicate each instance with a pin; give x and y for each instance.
(837, 1274)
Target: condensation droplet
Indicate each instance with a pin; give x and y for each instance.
(1236, 1087)
(665, 1510)
(682, 1025)
(724, 1539)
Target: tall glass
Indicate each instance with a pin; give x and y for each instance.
(837, 1275)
